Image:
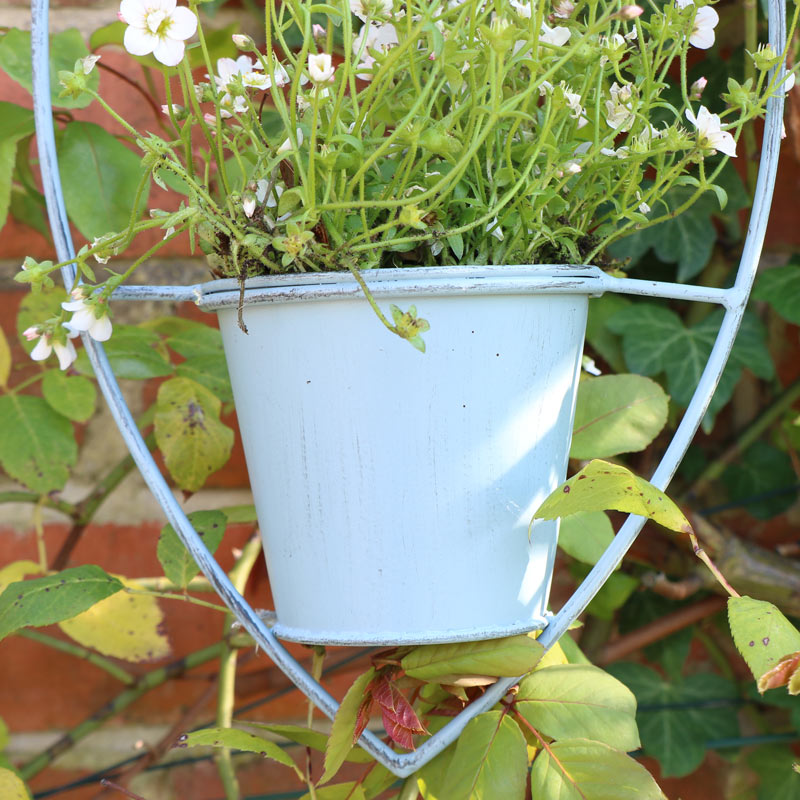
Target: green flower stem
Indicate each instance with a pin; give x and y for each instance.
(148, 254)
(76, 650)
(141, 686)
(38, 526)
(227, 670)
(27, 382)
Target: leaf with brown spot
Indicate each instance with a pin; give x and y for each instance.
(603, 486)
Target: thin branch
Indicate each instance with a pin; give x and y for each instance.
(63, 506)
(705, 558)
(111, 785)
(135, 85)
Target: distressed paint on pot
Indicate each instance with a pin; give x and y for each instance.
(395, 489)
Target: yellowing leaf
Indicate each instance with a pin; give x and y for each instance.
(12, 787)
(126, 626)
(5, 359)
(601, 486)
(17, 571)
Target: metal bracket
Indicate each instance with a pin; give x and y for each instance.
(733, 300)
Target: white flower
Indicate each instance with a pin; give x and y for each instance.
(564, 9)
(557, 36)
(157, 27)
(379, 38)
(85, 318)
(643, 207)
(710, 133)
(588, 365)
(544, 88)
(245, 69)
(274, 195)
(681, 4)
(249, 204)
(286, 145)
(572, 167)
(495, 229)
(372, 8)
(65, 351)
(702, 35)
(523, 9)
(320, 68)
(619, 110)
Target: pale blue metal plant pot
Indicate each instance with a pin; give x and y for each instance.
(395, 489)
(514, 356)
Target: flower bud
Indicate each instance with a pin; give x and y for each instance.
(765, 58)
(87, 63)
(318, 32)
(630, 12)
(696, 89)
(243, 42)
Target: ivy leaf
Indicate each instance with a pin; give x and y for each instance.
(762, 634)
(177, 563)
(585, 536)
(574, 701)
(189, 432)
(237, 739)
(65, 49)
(340, 741)
(676, 719)
(73, 396)
(761, 469)
(399, 719)
(490, 760)
(37, 445)
(508, 657)
(12, 787)
(780, 287)
(53, 598)
(617, 414)
(579, 769)
(602, 486)
(126, 626)
(100, 178)
(655, 340)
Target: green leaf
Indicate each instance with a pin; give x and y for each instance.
(340, 742)
(310, 738)
(773, 764)
(677, 719)
(209, 371)
(432, 777)
(37, 445)
(762, 634)
(15, 123)
(573, 701)
(490, 760)
(133, 353)
(613, 594)
(100, 177)
(579, 769)
(602, 486)
(780, 287)
(35, 308)
(27, 207)
(617, 414)
(601, 339)
(236, 739)
(585, 535)
(12, 787)
(761, 470)
(655, 340)
(74, 397)
(189, 432)
(239, 514)
(175, 560)
(195, 339)
(508, 657)
(337, 791)
(53, 598)
(65, 49)
(3, 735)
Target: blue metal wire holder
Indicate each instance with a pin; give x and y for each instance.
(733, 300)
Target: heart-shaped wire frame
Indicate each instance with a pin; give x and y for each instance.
(733, 301)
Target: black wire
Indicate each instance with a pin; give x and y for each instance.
(743, 502)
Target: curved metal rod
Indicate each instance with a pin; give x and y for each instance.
(734, 301)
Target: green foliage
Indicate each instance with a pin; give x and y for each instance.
(655, 340)
(490, 761)
(74, 397)
(509, 657)
(133, 352)
(53, 598)
(579, 701)
(602, 486)
(585, 535)
(100, 177)
(617, 414)
(65, 49)
(309, 738)
(780, 287)
(239, 740)
(677, 719)
(177, 563)
(5, 360)
(189, 432)
(37, 444)
(201, 346)
(15, 123)
(761, 632)
(579, 769)
(777, 779)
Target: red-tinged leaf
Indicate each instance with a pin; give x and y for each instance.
(399, 718)
(781, 674)
(363, 715)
